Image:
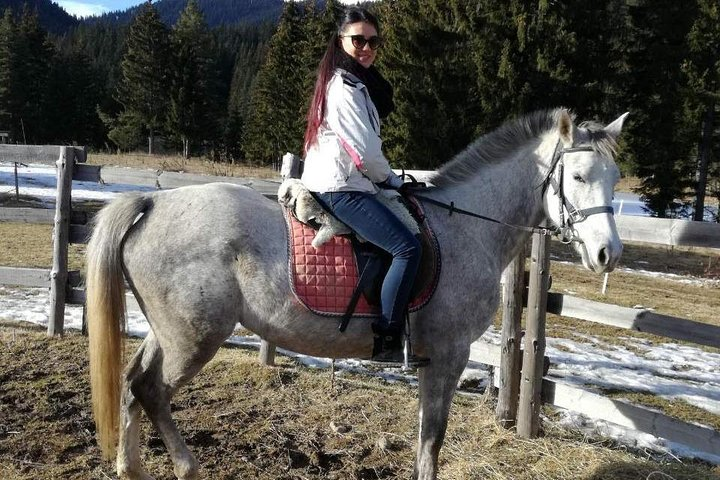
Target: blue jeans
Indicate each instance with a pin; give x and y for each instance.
(373, 221)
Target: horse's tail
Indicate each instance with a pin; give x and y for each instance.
(106, 312)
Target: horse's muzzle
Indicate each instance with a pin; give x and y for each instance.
(605, 257)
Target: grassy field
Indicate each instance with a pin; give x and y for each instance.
(247, 421)
(29, 245)
(175, 163)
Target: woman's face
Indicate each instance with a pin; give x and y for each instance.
(357, 39)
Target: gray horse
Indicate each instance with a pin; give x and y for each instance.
(201, 259)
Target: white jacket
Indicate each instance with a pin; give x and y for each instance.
(347, 155)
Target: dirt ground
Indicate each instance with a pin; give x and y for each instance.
(243, 420)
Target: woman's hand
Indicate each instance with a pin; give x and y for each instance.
(393, 181)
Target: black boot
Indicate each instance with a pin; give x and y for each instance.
(388, 348)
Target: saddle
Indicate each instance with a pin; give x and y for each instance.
(343, 276)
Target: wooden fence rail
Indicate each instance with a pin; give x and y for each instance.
(507, 355)
(640, 320)
(668, 231)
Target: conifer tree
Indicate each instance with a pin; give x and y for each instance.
(143, 89)
(426, 57)
(462, 67)
(318, 24)
(248, 61)
(657, 137)
(7, 61)
(192, 111)
(71, 98)
(274, 125)
(33, 57)
(702, 70)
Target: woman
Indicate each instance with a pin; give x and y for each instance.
(345, 166)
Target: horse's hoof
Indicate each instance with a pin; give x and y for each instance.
(128, 474)
(187, 469)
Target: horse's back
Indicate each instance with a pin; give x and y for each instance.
(187, 255)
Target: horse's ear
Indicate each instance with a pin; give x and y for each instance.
(566, 128)
(615, 127)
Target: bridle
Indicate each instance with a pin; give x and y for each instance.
(565, 231)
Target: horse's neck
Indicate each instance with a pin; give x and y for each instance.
(510, 192)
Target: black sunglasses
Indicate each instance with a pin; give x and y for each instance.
(360, 41)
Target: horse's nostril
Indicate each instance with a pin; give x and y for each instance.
(603, 257)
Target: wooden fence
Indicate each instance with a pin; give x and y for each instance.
(519, 369)
(523, 387)
(70, 225)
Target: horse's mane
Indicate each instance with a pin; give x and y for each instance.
(501, 143)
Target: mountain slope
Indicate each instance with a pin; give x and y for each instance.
(52, 17)
(216, 12)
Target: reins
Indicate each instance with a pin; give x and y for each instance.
(565, 230)
(453, 209)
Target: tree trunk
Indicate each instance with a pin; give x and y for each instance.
(151, 141)
(703, 162)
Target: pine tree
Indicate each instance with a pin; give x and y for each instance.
(462, 67)
(34, 54)
(248, 61)
(425, 57)
(657, 138)
(145, 69)
(192, 111)
(318, 25)
(7, 61)
(72, 95)
(275, 125)
(702, 70)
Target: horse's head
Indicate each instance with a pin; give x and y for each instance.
(579, 190)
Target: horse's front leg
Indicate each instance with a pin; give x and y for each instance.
(438, 382)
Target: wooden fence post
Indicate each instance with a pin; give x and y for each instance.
(61, 230)
(267, 353)
(509, 372)
(528, 420)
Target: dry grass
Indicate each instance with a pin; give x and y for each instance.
(695, 301)
(226, 418)
(176, 163)
(29, 245)
(246, 421)
(628, 184)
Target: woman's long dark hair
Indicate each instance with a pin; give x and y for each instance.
(316, 113)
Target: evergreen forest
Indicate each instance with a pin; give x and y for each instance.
(239, 92)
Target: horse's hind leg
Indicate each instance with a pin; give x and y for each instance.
(162, 370)
(128, 462)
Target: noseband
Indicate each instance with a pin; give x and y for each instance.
(555, 179)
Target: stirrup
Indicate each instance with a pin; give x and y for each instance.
(410, 360)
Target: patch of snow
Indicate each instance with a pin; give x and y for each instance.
(599, 429)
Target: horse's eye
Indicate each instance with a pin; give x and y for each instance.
(578, 178)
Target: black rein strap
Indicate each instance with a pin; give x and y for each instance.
(453, 209)
(564, 231)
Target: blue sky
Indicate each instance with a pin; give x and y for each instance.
(86, 8)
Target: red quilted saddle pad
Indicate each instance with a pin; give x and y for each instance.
(324, 279)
